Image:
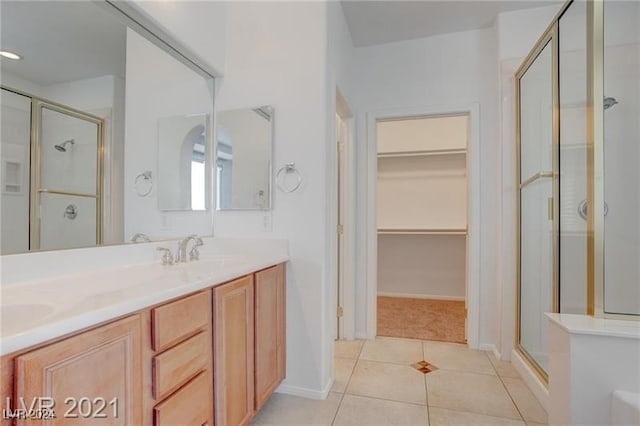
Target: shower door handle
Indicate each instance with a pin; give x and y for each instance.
(582, 209)
(71, 212)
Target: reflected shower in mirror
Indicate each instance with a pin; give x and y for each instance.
(80, 118)
(182, 163)
(243, 159)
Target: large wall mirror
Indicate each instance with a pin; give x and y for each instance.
(105, 132)
(243, 158)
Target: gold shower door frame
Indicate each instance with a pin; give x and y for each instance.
(595, 165)
(550, 37)
(37, 105)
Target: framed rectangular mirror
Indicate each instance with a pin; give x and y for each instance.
(243, 158)
(92, 123)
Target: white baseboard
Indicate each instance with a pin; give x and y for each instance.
(305, 392)
(532, 380)
(490, 347)
(421, 296)
(362, 335)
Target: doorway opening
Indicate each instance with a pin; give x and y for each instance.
(421, 226)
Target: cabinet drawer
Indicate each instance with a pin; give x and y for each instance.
(173, 368)
(191, 405)
(174, 321)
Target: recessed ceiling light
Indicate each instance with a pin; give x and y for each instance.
(10, 55)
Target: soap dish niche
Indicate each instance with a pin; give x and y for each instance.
(12, 177)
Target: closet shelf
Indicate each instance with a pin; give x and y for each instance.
(460, 151)
(423, 231)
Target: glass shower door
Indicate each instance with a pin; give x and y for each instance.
(537, 281)
(67, 179)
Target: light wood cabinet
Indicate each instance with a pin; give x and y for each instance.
(233, 323)
(84, 374)
(172, 322)
(175, 367)
(171, 364)
(191, 405)
(270, 332)
(181, 365)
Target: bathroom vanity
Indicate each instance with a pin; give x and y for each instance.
(211, 351)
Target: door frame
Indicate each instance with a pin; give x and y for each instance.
(472, 299)
(345, 209)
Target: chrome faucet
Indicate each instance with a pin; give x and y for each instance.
(140, 238)
(194, 254)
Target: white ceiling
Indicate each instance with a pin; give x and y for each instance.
(379, 22)
(61, 41)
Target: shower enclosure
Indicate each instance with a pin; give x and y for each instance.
(578, 129)
(53, 152)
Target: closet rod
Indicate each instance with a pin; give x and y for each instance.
(453, 231)
(422, 153)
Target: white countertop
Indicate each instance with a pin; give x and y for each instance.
(585, 324)
(36, 311)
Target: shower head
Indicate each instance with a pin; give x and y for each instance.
(62, 147)
(609, 102)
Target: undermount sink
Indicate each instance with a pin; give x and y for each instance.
(222, 259)
(23, 315)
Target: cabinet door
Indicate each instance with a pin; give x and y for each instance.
(270, 332)
(93, 378)
(233, 352)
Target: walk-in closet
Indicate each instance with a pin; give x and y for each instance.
(422, 227)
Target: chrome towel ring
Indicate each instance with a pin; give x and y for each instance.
(281, 178)
(143, 183)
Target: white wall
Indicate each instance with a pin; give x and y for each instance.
(276, 55)
(451, 69)
(175, 90)
(422, 192)
(198, 25)
(15, 82)
(425, 266)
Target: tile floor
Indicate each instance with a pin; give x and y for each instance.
(375, 384)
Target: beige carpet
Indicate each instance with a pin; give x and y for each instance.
(423, 319)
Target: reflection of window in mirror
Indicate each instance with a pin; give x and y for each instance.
(182, 162)
(224, 167)
(218, 174)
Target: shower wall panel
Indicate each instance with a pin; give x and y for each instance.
(573, 158)
(15, 128)
(622, 157)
